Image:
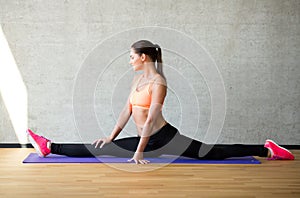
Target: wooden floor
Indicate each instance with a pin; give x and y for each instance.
(269, 179)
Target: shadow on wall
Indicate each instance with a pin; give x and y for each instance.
(13, 90)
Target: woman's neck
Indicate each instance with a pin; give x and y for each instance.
(149, 71)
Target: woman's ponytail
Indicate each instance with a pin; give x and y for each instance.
(159, 66)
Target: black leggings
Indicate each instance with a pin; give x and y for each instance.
(166, 141)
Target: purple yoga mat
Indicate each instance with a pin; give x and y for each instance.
(52, 158)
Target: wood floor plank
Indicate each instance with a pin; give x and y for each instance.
(269, 179)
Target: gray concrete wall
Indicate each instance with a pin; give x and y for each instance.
(255, 45)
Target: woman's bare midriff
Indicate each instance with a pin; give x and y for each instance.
(140, 116)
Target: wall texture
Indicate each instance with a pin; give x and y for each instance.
(255, 45)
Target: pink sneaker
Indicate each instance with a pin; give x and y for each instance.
(278, 152)
(39, 143)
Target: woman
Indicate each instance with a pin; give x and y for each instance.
(155, 135)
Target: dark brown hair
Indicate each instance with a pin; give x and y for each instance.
(152, 50)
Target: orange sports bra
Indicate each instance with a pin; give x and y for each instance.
(141, 98)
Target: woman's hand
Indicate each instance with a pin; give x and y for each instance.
(138, 158)
(103, 140)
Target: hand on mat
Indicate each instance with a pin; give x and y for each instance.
(138, 158)
(103, 140)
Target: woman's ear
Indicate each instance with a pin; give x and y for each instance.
(143, 57)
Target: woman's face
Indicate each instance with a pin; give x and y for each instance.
(136, 60)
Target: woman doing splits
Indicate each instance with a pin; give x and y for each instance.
(155, 136)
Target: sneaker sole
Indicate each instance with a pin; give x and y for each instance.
(35, 145)
(280, 146)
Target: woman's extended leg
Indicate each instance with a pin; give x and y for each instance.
(120, 148)
(188, 147)
(176, 144)
(124, 147)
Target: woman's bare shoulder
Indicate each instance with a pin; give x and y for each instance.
(159, 80)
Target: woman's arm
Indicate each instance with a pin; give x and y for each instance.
(122, 120)
(125, 113)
